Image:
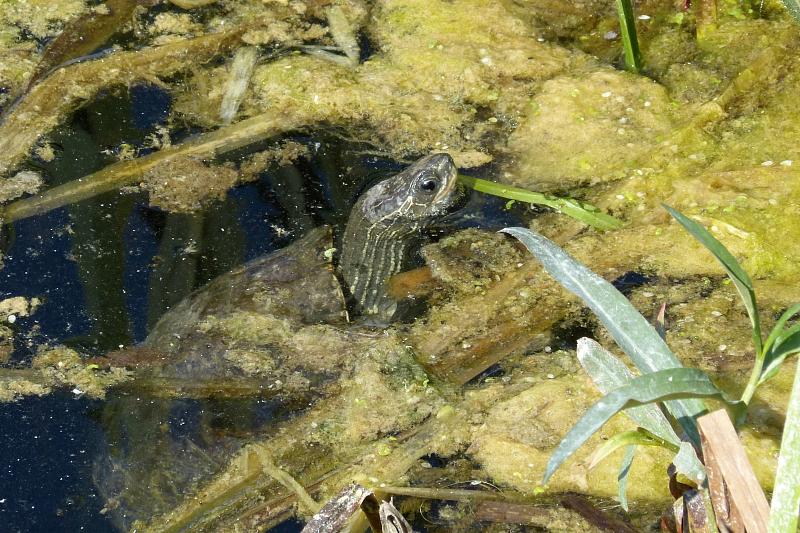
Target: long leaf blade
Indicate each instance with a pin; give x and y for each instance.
(780, 351)
(630, 43)
(609, 373)
(670, 384)
(627, 438)
(777, 329)
(737, 274)
(588, 214)
(687, 463)
(786, 495)
(630, 330)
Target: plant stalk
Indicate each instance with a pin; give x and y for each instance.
(755, 375)
(758, 366)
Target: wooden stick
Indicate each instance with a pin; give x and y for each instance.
(731, 476)
(593, 515)
(511, 513)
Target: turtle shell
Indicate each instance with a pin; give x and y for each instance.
(296, 283)
(261, 307)
(253, 347)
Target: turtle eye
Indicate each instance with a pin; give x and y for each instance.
(428, 184)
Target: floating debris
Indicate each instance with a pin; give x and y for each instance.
(343, 34)
(184, 184)
(24, 182)
(241, 69)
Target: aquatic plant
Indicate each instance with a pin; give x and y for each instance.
(664, 381)
(781, 342)
(586, 213)
(630, 43)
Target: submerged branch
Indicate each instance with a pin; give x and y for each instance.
(243, 494)
(48, 103)
(460, 495)
(205, 146)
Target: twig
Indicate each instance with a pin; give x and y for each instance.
(48, 103)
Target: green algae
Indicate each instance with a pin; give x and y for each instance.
(41, 19)
(554, 119)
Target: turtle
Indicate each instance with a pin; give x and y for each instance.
(298, 285)
(259, 343)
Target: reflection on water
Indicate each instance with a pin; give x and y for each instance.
(107, 268)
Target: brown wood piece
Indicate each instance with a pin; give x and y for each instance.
(678, 514)
(371, 509)
(392, 520)
(339, 509)
(593, 515)
(694, 513)
(481, 332)
(510, 513)
(738, 499)
(716, 488)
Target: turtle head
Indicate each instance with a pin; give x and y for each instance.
(417, 196)
(385, 226)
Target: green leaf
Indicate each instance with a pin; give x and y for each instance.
(739, 277)
(609, 373)
(630, 44)
(631, 331)
(786, 495)
(687, 463)
(777, 329)
(637, 437)
(670, 384)
(622, 477)
(793, 7)
(783, 348)
(586, 213)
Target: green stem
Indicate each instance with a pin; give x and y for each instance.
(755, 375)
(758, 366)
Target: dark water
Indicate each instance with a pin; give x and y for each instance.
(107, 268)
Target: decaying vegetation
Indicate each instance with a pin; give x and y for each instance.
(486, 82)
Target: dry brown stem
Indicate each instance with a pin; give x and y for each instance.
(48, 103)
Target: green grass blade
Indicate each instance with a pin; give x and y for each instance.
(609, 373)
(585, 213)
(739, 277)
(784, 346)
(786, 495)
(631, 331)
(777, 330)
(793, 7)
(630, 43)
(670, 384)
(628, 438)
(622, 477)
